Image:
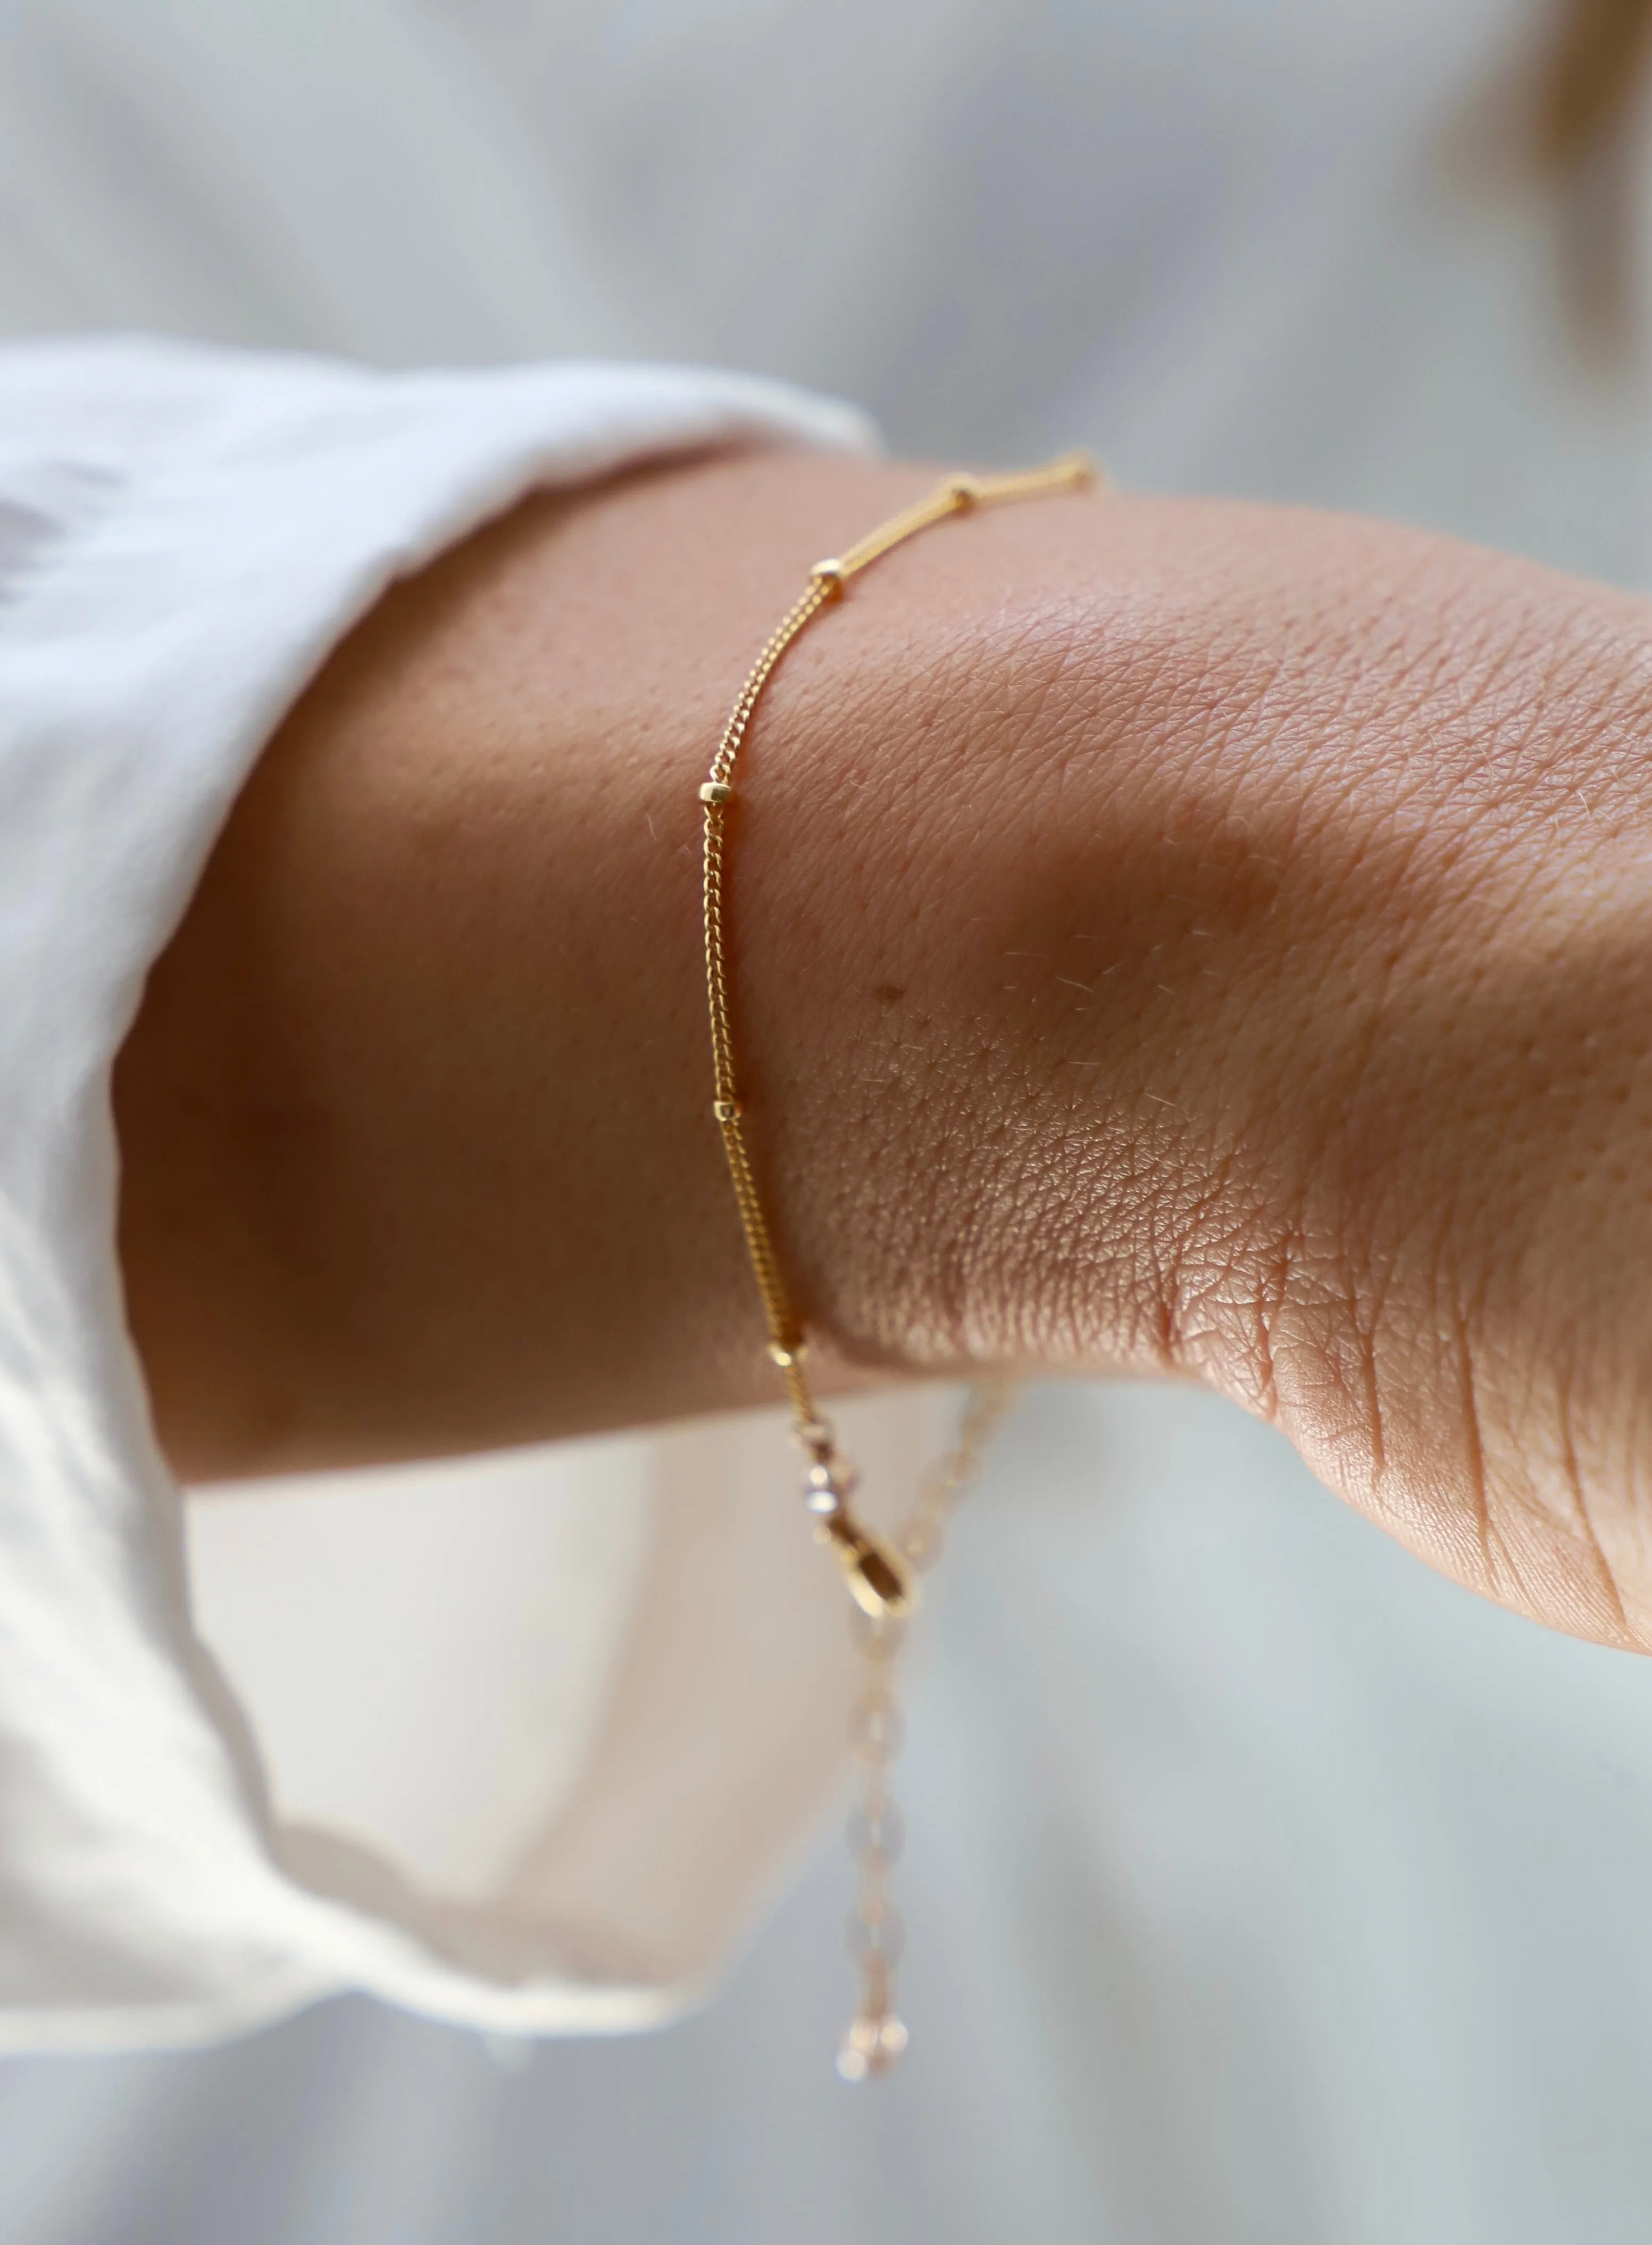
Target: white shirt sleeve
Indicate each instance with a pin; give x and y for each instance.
(184, 535)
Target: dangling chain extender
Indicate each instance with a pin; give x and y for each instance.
(880, 1575)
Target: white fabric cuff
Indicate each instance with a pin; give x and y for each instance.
(184, 535)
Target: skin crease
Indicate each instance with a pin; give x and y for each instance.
(1169, 937)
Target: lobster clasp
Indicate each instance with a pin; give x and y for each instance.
(880, 1583)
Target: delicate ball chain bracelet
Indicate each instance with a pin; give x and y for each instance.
(880, 1575)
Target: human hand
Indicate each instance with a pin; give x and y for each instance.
(1169, 937)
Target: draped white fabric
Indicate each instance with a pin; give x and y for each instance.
(1264, 1887)
(186, 533)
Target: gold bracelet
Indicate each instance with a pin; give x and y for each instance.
(880, 1575)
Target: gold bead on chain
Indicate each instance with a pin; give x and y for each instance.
(880, 1575)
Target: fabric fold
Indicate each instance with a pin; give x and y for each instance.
(184, 534)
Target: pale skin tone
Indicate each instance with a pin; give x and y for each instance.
(1170, 938)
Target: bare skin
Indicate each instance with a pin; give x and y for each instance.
(1170, 938)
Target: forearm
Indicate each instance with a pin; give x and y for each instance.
(415, 1122)
(1166, 937)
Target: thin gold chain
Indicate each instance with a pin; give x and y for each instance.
(876, 2035)
(880, 1575)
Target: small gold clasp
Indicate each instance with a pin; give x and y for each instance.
(879, 1582)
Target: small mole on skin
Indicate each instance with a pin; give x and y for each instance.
(888, 993)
